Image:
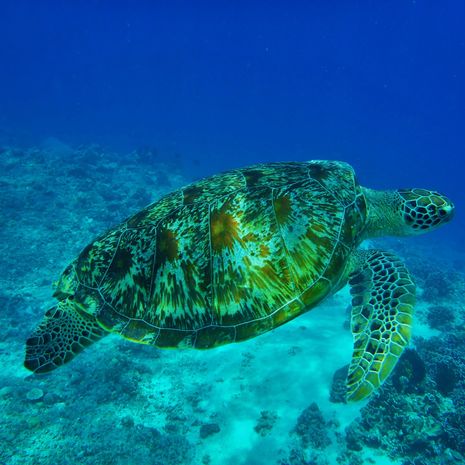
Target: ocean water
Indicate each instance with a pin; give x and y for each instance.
(105, 107)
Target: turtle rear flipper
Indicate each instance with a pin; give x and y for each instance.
(382, 308)
(60, 336)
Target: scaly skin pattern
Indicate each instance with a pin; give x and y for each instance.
(224, 259)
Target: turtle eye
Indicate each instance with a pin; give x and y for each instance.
(446, 213)
(408, 219)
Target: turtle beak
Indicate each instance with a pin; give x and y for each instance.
(446, 212)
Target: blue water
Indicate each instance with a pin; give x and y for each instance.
(379, 84)
(202, 87)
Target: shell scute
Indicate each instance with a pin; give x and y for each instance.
(153, 213)
(181, 296)
(274, 175)
(126, 284)
(311, 231)
(250, 275)
(336, 177)
(207, 190)
(169, 337)
(214, 336)
(94, 259)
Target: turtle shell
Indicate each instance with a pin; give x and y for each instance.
(226, 258)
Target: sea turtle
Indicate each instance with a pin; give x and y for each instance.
(235, 255)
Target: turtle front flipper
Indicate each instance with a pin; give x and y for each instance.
(382, 309)
(60, 336)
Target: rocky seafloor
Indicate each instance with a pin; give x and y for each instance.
(276, 399)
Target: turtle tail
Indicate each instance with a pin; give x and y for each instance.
(60, 336)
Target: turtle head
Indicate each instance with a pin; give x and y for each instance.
(423, 210)
(67, 328)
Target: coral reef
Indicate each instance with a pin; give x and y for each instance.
(311, 428)
(419, 414)
(440, 317)
(410, 374)
(299, 456)
(440, 285)
(208, 429)
(266, 422)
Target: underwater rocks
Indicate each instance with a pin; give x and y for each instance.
(299, 456)
(309, 438)
(138, 444)
(440, 317)
(445, 358)
(410, 374)
(311, 428)
(35, 394)
(441, 279)
(402, 425)
(80, 430)
(5, 391)
(265, 423)
(442, 284)
(338, 387)
(445, 361)
(163, 449)
(419, 414)
(208, 429)
(127, 421)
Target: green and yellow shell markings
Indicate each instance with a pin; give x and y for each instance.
(315, 293)
(253, 176)
(225, 258)
(224, 229)
(121, 264)
(192, 194)
(181, 290)
(154, 213)
(274, 175)
(264, 251)
(319, 172)
(207, 190)
(93, 261)
(167, 246)
(337, 178)
(282, 209)
(68, 282)
(310, 230)
(250, 276)
(355, 220)
(126, 283)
